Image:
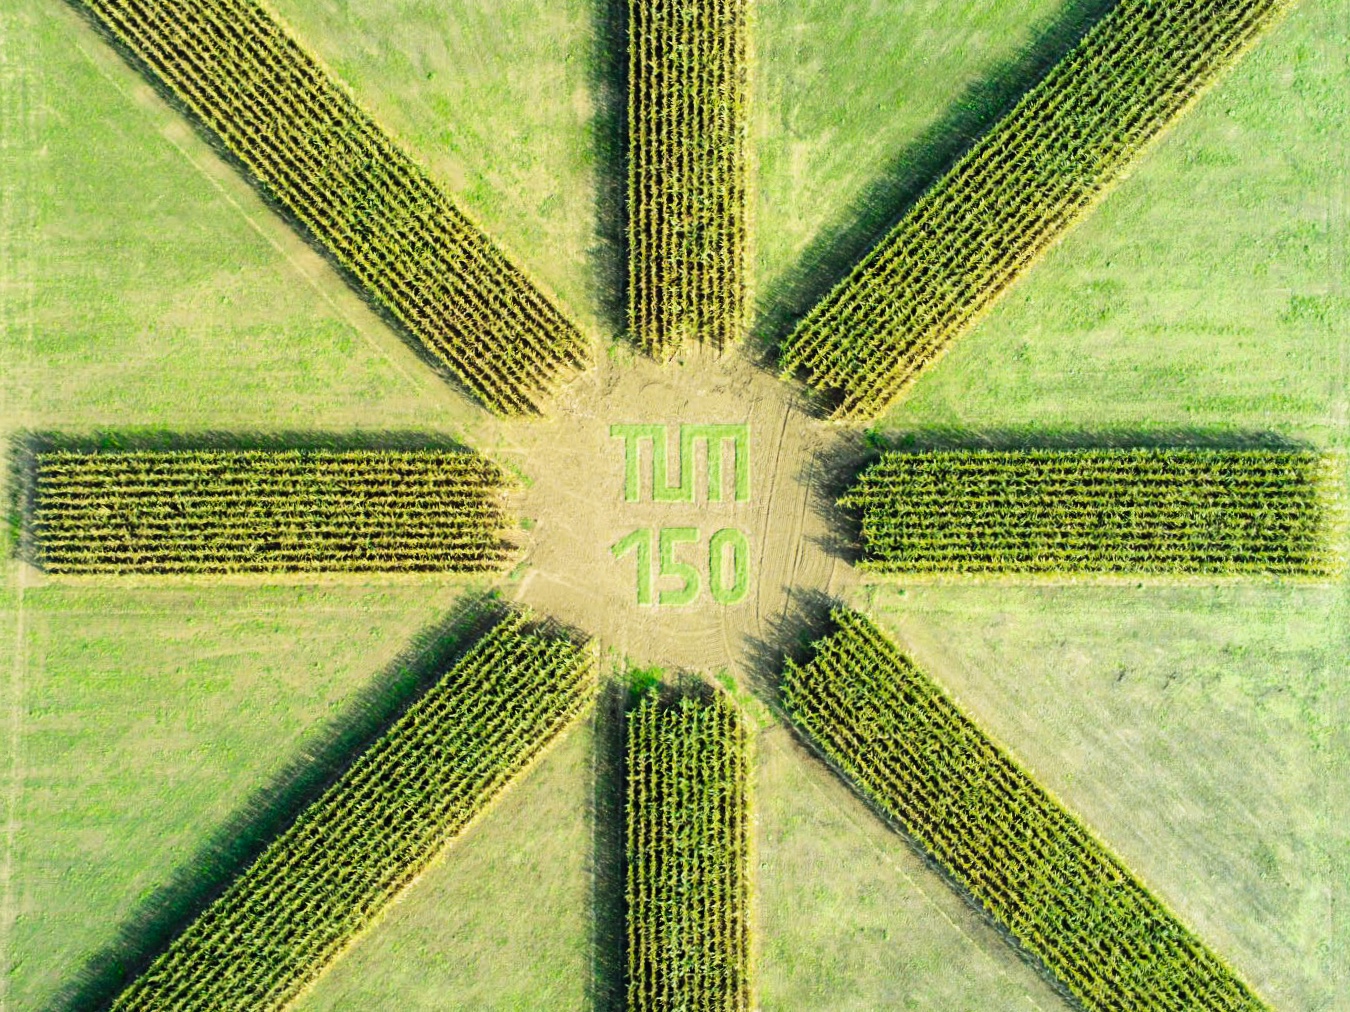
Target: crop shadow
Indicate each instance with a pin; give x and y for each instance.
(830, 477)
(787, 636)
(160, 917)
(609, 872)
(373, 303)
(609, 86)
(936, 438)
(19, 492)
(857, 228)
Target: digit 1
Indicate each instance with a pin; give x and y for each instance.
(641, 540)
(740, 566)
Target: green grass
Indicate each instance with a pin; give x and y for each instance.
(458, 937)
(853, 920)
(1203, 293)
(497, 103)
(857, 106)
(164, 291)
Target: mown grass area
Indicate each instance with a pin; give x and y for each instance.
(498, 102)
(503, 921)
(154, 287)
(1205, 292)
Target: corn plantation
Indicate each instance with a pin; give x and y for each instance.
(1026, 860)
(1105, 511)
(688, 834)
(235, 511)
(323, 159)
(686, 172)
(376, 827)
(1013, 194)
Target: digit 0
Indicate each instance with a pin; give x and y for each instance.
(733, 591)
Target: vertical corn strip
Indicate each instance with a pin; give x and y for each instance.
(686, 173)
(687, 840)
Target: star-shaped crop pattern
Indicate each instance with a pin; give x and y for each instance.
(1030, 866)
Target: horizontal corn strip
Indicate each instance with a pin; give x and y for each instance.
(269, 511)
(1174, 511)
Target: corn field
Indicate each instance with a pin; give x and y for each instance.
(1026, 860)
(267, 511)
(351, 851)
(686, 172)
(1014, 193)
(1174, 511)
(323, 159)
(688, 834)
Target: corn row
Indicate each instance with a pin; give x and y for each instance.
(269, 511)
(1025, 859)
(687, 891)
(319, 155)
(1014, 193)
(323, 879)
(1171, 510)
(686, 172)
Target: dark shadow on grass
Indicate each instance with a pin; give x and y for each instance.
(163, 915)
(112, 441)
(608, 872)
(609, 85)
(829, 478)
(857, 228)
(18, 499)
(372, 301)
(953, 437)
(787, 637)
